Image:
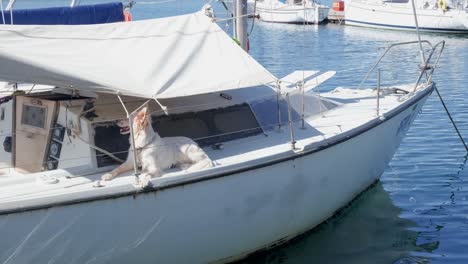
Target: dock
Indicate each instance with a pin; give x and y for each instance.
(336, 17)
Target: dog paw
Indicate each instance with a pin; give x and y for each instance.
(145, 182)
(107, 177)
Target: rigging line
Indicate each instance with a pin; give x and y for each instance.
(3, 12)
(231, 18)
(254, 14)
(229, 11)
(451, 119)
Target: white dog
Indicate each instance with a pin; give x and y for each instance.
(155, 154)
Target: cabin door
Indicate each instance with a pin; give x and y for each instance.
(34, 119)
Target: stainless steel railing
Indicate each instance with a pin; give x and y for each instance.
(423, 68)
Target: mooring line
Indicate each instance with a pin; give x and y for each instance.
(451, 119)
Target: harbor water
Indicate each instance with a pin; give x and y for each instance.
(418, 212)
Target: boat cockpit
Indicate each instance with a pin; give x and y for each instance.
(61, 129)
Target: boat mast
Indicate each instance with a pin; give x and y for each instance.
(240, 22)
(421, 50)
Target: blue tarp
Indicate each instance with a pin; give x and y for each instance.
(78, 15)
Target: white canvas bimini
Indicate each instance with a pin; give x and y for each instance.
(160, 58)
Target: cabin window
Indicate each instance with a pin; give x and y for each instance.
(266, 110)
(107, 136)
(210, 126)
(34, 116)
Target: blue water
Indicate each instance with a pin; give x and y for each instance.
(418, 213)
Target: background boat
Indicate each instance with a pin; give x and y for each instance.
(443, 16)
(291, 11)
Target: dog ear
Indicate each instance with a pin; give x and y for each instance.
(142, 113)
(142, 116)
(145, 111)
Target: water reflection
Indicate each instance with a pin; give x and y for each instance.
(369, 231)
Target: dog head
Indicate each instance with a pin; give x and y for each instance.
(140, 122)
(124, 126)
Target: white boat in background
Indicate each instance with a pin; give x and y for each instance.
(444, 16)
(286, 158)
(291, 11)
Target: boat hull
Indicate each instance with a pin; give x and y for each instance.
(217, 220)
(400, 17)
(311, 15)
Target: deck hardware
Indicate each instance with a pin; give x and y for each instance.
(47, 179)
(226, 96)
(98, 184)
(217, 146)
(278, 98)
(291, 129)
(301, 87)
(378, 92)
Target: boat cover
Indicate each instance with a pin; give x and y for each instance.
(78, 15)
(160, 58)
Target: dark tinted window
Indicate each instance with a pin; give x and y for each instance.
(210, 126)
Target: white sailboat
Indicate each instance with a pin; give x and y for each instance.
(291, 11)
(445, 16)
(286, 159)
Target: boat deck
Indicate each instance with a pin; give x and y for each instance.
(358, 108)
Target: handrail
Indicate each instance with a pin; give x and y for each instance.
(426, 66)
(438, 57)
(385, 53)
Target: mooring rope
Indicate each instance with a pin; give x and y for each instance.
(451, 119)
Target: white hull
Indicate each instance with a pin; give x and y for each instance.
(218, 219)
(292, 14)
(399, 16)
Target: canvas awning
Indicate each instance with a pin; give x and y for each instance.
(159, 58)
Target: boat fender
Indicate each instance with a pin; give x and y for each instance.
(127, 16)
(442, 5)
